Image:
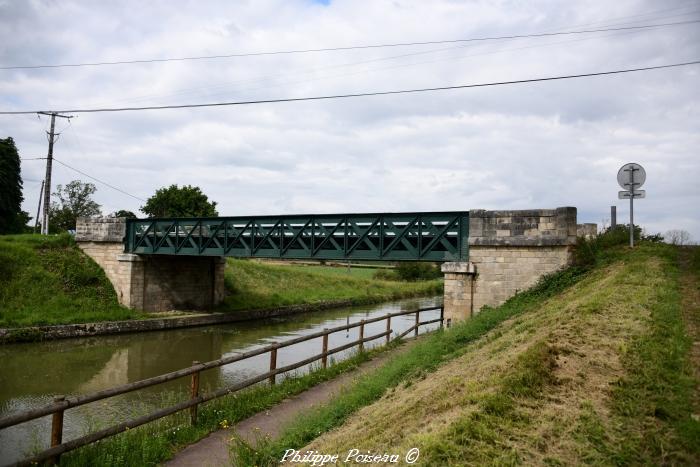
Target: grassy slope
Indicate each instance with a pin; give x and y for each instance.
(257, 285)
(598, 374)
(48, 280)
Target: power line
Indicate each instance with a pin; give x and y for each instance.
(364, 94)
(99, 181)
(33, 158)
(336, 49)
(202, 89)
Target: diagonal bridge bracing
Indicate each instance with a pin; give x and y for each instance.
(417, 236)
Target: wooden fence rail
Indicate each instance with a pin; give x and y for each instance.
(61, 404)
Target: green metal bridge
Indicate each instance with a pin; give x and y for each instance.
(416, 236)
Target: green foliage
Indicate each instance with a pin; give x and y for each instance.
(73, 201)
(48, 280)
(12, 218)
(588, 251)
(124, 213)
(385, 275)
(417, 271)
(188, 201)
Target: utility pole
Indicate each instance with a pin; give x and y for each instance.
(49, 162)
(38, 208)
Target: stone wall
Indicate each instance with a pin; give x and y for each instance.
(504, 271)
(588, 230)
(151, 282)
(508, 252)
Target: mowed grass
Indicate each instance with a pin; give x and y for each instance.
(598, 374)
(48, 280)
(253, 285)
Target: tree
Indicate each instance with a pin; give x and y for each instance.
(188, 201)
(12, 218)
(124, 213)
(73, 201)
(677, 237)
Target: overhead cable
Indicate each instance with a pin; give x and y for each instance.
(336, 49)
(363, 94)
(98, 180)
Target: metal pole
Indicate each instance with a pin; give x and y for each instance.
(47, 179)
(632, 207)
(613, 217)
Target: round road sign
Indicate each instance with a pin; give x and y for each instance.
(631, 176)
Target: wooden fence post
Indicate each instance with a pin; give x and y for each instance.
(415, 332)
(324, 350)
(362, 335)
(194, 393)
(442, 317)
(388, 328)
(273, 364)
(56, 429)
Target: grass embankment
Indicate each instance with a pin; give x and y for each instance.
(597, 374)
(47, 280)
(252, 285)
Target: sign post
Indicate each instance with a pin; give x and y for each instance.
(630, 177)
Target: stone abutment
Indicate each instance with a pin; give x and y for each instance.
(509, 251)
(151, 283)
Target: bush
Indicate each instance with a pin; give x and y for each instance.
(385, 275)
(417, 271)
(587, 250)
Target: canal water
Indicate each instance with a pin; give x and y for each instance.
(32, 374)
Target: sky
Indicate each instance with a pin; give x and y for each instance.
(526, 146)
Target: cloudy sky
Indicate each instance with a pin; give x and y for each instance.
(541, 145)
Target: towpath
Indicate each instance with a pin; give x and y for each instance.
(213, 451)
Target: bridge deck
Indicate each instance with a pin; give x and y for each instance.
(417, 236)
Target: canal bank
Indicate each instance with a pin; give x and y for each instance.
(68, 331)
(36, 372)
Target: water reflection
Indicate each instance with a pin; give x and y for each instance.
(32, 374)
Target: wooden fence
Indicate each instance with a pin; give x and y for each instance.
(61, 403)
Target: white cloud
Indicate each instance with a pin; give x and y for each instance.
(525, 146)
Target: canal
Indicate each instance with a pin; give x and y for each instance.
(32, 374)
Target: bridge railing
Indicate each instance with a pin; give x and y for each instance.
(61, 404)
(425, 236)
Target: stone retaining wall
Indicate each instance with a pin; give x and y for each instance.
(151, 283)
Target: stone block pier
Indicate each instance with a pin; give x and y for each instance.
(509, 251)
